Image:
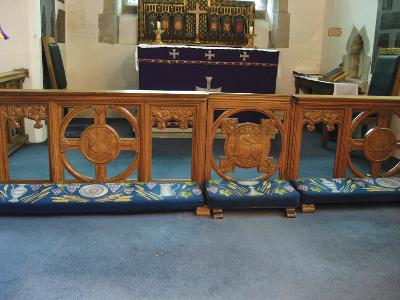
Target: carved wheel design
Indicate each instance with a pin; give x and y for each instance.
(378, 145)
(100, 143)
(246, 145)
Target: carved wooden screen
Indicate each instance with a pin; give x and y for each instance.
(249, 127)
(259, 135)
(364, 133)
(97, 141)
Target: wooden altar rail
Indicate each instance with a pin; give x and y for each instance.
(247, 145)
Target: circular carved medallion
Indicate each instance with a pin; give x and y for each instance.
(379, 144)
(247, 145)
(100, 144)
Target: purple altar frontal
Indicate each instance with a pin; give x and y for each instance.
(225, 69)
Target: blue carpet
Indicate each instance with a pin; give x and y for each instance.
(337, 253)
(350, 252)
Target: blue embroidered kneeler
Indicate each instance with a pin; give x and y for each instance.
(348, 190)
(250, 194)
(99, 198)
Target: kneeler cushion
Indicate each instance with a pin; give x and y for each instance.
(250, 194)
(99, 198)
(348, 190)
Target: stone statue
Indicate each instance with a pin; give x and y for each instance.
(356, 61)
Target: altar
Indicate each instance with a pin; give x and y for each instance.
(207, 68)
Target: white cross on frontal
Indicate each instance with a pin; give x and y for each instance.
(209, 55)
(174, 54)
(244, 56)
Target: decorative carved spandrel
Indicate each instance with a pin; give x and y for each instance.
(100, 144)
(327, 117)
(266, 165)
(162, 115)
(226, 165)
(229, 125)
(15, 113)
(268, 126)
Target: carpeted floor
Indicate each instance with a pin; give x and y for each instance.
(350, 252)
(338, 253)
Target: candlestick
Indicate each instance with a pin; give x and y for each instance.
(158, 33)
(158, 25)
(250, 40)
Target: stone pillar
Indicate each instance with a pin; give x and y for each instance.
(280, 25)
(109, 22)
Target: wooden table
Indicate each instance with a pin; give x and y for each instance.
(312, 86)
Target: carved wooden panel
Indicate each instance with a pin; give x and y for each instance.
(100, 143)
(378, 145)
(327, 117)
(182, 115)
(247, 145)
(16, 113)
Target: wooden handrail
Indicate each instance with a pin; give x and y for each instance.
(13, 75)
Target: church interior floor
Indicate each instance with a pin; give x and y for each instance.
(347, 252)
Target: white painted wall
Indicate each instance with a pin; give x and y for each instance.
(307, 18)
(90, 64)
(346, 14)
(21, 21)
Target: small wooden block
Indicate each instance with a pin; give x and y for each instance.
(307, 208)
(217, 214)
(290, 212)
(203, 211)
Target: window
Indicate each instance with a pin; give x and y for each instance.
(130, 2)
(129, 6)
